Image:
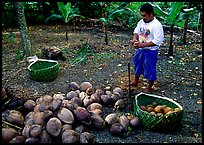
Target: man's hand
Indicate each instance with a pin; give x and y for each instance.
(139, 45)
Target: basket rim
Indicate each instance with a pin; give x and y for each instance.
(45, 60)
(157, 96)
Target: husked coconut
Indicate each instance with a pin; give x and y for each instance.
(55, 104)
(124, 121)
(86, 137)
(14, 117)
(30, 105)
(96, 98)
(47, 115)
(54, 126)
(90, 91)
(66, 116)
(116, 129)
(35, 130)
(45, 137)
(120, 104)
(85, 85)
(73, 86)
(70, 136)
(77, 100)
(87, 101)
(71, 106)
(96, 112)
(106, 99)
(71, 95)
(39, 100)
(18, 139)
(94, 106)
(29, 118)
(26, 131)
(32, 140)
(115, 97)
(8, 134)
(135, 122)
(99, 92)
(83, 115)
(118, 90)
(66, 127)
(39, 118)
(59, 96)
(111, 118)
(79, 129)
(82, 95)
(97, 122)
(47, 99)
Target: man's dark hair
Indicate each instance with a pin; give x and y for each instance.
(147, 8)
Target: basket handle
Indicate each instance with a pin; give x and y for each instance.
(31, 59)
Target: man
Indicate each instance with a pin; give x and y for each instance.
(148, 36)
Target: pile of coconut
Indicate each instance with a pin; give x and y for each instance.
(65, 117)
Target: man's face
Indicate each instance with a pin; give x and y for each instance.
(146, 18)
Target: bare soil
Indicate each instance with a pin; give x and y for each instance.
(179, 77)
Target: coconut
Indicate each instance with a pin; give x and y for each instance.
(96, 112)
(85, 85)
(55, 104)
(71, 95)
(18, 139)
(66, 116)
(120, 104)
(8, 134)
(39, 118)
(14, 117)
(97, 122)
(95, 98)
(90, 91)
(73, 86)
(45, 137)
(116, 129)
(59, 96)
(32, 140)
(54, 126)
(94, 106)
(30, 105)
(123, 120)
(106, 99)
(82, 95)
(29, 118)
(83, 115)
(135, 122)
(99, 92)
(118, 90)
(111, 118)
(86, 137)
(77, 100)
(79, 129)
(70, 136)
(26, 131)
(66, 127)
(71, 105)
(87, 101)
(35, 130)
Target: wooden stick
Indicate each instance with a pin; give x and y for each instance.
(129, 79)
(11, 124)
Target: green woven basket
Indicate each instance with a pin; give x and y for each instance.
(152, 122)
(44, 70)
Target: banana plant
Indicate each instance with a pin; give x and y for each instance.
(67, 13)
(173, 16)
(105, 20)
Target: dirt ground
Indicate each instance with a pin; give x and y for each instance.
(179, 77)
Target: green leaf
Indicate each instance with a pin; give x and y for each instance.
(175, 9)
(53, 17)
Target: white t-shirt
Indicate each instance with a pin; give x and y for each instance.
(152, 31)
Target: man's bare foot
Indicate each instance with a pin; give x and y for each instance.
(132, 84)
(149, 90)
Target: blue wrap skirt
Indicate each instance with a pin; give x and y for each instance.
(145, 63)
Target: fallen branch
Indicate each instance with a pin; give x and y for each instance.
(11, 124)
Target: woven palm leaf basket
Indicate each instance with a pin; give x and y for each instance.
(153, 121)
(44, 70)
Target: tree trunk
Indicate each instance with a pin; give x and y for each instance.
(170, 52)
(183, 36)
(27, 51)
(106, 34)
